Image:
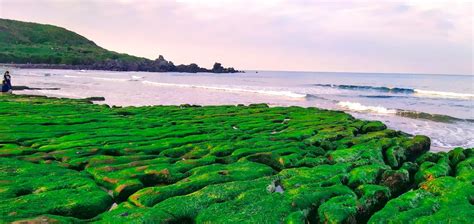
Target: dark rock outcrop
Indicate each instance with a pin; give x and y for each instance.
(146, 65)
(217, 68)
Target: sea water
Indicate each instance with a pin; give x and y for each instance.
(439, 106)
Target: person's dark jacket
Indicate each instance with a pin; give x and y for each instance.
(6, 83)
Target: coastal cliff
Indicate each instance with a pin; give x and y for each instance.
(33, 45)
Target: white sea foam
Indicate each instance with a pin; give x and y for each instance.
(58, 94)
(353, 106)
(228, 89)
(430, 93)
(97, 78)
(72, 76)
(136, 78)
(109, 79)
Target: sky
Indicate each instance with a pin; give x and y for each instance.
(403, 36)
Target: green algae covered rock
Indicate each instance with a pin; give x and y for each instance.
(200, 177)
(417, 146)
(340, 209)
(456, 155)
(395, 156)
(373, 126)
(367, 174)
(371, 198)
(30, 190)
(70, 161)
(440, 198)
(397, 181)
(48, 219)
(431, 170)
(464, 169)
(443, 200)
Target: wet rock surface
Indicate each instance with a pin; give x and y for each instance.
(71, 161)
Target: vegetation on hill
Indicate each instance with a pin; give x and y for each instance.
(72, 161)
(45, 46)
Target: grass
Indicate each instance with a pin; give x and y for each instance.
(22, 42)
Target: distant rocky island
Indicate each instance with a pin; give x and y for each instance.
(33, 45)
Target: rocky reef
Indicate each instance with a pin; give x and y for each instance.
(71, 161)
(158, 65)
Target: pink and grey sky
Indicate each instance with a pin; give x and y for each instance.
(409, 36)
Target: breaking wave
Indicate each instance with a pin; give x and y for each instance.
(430, 93)
(373, 88)
(233, 90)
(357, 107)
(382, 96)
(398, 90)
(353, 106)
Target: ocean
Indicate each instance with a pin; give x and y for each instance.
(439, 106)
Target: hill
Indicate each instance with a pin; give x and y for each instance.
(33, 45)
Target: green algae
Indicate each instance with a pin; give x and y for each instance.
(30, 190)
(440, 198)
(219, 164)
(198, 178)
(339, 209)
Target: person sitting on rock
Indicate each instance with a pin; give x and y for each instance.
(6, 83)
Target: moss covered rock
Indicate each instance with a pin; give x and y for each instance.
(29, 190)
(440, 198)
(67, 160)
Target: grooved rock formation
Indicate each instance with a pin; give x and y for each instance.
(70, 161)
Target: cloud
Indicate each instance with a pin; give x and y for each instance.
(360, 35)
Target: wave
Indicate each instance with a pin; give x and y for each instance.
(398, 90)
(312, 96)
(235, 90)
(374, 88)
(430, 93)
(357, 107)
(381, 96)
(353, 106)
